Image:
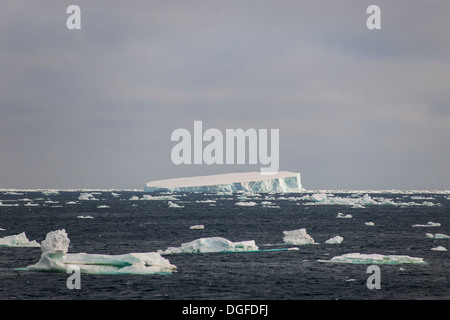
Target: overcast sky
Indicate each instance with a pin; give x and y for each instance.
(95, 108)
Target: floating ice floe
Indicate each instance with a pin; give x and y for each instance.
(18, 240)
(173, 205)
(197, 227)
(85, 217)
(429, 224)
(149, 197)
(359, 258)
(54, 257)
(439, 248)
(50, 192)
(342, 216)
(9, 204)
(71, 202)
(86, 196)
(102, 207)
(212, 245)
(297, 237)
(31, 204)
(357, 202)
(205, 201)
(246, 204)
(437, 236)
(335, 240)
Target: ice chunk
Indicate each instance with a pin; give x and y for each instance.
(197, 227)
(282, 181)
(212, 244)
(429, 224)
(103, 206)
(54, 257)
(437, 236)
(86, 196)
(297, 237)
(439, 248)
(355, 201)
(341, 215)
(18, 240)
(369, 223)
(85, 217)
(173, 205)
(31, 204)
(246, 204)
(335, 240)
(359, 258)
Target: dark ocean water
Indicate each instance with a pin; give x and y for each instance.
(145, 226)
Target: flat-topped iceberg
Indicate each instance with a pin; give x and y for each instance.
(55, 258)
(18, 240)
(210, 245)
(282, 181)
(359, 258)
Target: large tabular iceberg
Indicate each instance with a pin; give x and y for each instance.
(55, 258)
(232, 182)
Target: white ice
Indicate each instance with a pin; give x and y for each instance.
(356, 201)
(439, 248)
(359, 258)
(212, 244)
(246, 204)
(437, 236)
(171, 204)
(197, 227)
(282, 181)
(429, 224)
(54, 257)
(342, 216)
(297, 237)
(18, 240)
(335, 240)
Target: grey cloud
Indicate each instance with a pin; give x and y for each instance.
(96, 107)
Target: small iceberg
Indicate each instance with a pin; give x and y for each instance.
(197, 227)
(342, 216)
(246, 204)
(369, 223)
(335, 240)
(212, 245)
(86, 196)
(439, 248)
(85, 217)
(429, 224)
(437, 236)
(359, 258)
(18, 240)
(55, 258)
(297, 237)
(173, 205)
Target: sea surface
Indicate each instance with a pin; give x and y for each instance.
(119, 222)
